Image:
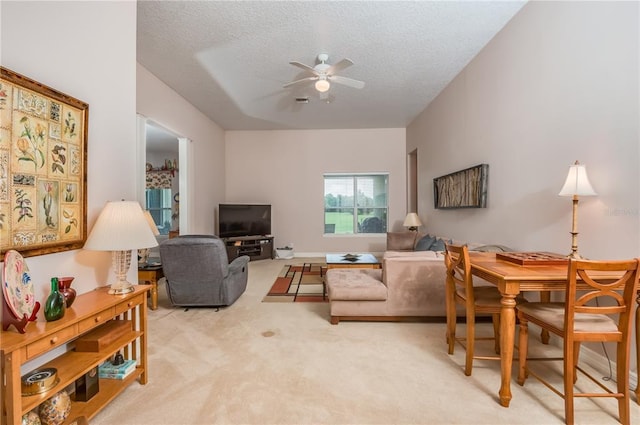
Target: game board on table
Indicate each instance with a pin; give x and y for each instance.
(533, 258)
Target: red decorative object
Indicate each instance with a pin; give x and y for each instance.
(64, 283)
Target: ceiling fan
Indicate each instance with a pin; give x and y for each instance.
(325, 74)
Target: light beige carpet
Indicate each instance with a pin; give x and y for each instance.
(283, 363)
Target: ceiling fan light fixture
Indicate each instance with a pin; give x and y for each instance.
(322, 85)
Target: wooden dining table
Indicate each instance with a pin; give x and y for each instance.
(511, 279)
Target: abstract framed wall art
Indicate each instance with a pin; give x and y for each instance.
(43, 167)
(462, 189)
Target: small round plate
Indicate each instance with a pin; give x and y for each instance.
(17, 286)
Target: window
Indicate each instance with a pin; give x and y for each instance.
(355, 203)
(159, 205)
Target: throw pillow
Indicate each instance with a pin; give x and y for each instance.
(425, 243)
(438, 245)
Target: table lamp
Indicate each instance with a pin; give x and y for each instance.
(121, 227)
(577, 184)
(412, 222)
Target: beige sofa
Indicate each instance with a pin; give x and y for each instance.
(414, 241)
(403, 241)
(411, 284)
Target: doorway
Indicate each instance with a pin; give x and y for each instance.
(412, 181)
(162, 191)
(163, 176)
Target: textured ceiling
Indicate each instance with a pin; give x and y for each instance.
(230, 59)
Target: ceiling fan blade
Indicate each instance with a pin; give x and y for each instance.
(303, 66)
(344, 63)
(356, 84)
(306, 79)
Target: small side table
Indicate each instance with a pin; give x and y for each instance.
(150, 275)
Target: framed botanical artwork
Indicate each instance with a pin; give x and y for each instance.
(462, 189)
(43, 167)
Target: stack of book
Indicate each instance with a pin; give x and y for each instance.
(108, 370)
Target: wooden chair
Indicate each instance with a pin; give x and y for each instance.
(476, 299)
(586, 316)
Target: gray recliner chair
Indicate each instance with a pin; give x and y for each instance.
(198, 272)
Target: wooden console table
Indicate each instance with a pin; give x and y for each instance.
(89, 311)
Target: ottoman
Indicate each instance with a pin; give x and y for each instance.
(355, 293)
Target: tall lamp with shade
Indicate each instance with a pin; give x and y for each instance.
(577, 184)
(121, 227)
(412, 222)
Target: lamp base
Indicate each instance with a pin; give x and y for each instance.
(575, 256)
(121, 288)
(121, 262)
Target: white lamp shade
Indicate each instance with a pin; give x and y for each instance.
(152, 224)
(412, 220)
(121, 226)
(577, 182)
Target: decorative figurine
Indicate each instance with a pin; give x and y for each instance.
(118, 359)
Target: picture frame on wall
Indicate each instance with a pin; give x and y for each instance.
(43, 167)
(462, 189)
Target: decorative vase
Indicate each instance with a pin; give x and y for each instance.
(55, 306)
(64, 285)
(31, 418)
(56, 409)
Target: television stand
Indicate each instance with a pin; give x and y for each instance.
(256, 247)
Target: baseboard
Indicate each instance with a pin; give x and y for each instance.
(309, 254)
(599, 362)
(324, 254)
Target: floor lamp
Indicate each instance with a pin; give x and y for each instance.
(121, 227)
(577, 184)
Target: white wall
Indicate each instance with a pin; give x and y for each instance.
(75, 48)
(161, 104)
(559, 83)
(286, 168)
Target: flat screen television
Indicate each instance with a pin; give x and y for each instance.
(244, 220)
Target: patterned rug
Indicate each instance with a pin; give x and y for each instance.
(301, 283)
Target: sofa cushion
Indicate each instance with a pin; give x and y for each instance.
(355, 284)
(423, 255)
(401, 241)
(492, 248)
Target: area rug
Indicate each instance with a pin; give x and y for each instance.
(299, 283)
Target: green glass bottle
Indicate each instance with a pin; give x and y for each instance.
(55, 305)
